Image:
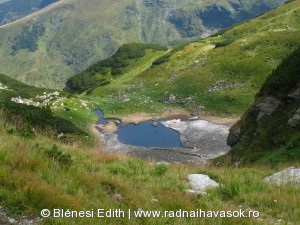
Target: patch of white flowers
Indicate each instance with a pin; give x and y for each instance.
(3, 87)
(84, 104)
(39, 100)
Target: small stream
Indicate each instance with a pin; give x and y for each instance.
(145, 134)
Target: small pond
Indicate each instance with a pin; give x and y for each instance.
(145, 134)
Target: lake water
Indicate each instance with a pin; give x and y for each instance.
(100, 115)
(145, 134)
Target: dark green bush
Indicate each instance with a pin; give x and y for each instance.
(26, 117)
(117, 64)
(160, 169)
(162, 59)
(279, 81)
(224, 43)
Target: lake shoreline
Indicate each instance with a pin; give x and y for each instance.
(205, 139)
(182, 114)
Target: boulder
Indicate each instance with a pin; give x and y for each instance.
(12, 220)
(155, 124)
(268, 106)
(200, 183)
(172, 98)
(126, 100)
(123, 98)
(288, 176)
(234, 136)
(295, 94)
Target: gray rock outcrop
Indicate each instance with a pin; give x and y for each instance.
(5, 219)
(295, 94)
(268, 106)
(172, 98)
(234, 137)
(200, 183)
(288, 176)
(209, 138)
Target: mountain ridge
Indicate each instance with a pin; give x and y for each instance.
(224, 71)
(77, 34)
(13, 10)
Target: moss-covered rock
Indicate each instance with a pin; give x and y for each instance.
(270, 128)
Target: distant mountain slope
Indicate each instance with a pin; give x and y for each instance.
(218, 75)
(270, 130)
(49, 46)
(11, 10)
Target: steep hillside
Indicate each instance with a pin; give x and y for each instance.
(269, 132)
(12, 88)
(218, 75)
(11, 10)
(126, 59)
(26, 111)
(49, 46)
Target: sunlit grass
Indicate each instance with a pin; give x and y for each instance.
(31, 180)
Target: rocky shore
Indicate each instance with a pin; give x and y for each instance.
(202, 141)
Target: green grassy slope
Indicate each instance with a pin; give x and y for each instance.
(41, 173)
(271, 139)
(49, 46)
(15, 88)
(218, 75)
(123, 61)
(26, 110)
